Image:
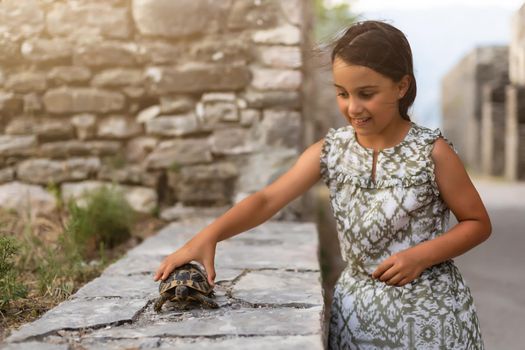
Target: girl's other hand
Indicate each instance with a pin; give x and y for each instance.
(199, 248)
(399, 269)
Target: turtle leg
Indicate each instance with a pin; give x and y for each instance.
(159, 302)
(205, 300)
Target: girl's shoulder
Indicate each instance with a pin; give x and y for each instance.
(426, 137)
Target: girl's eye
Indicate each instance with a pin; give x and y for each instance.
(366, 96)
(342, 94)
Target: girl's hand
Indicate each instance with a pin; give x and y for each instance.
(199, 248)
(399, 269)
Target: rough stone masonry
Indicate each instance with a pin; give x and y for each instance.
(187, 102)
(268, 289)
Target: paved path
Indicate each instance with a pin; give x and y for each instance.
(495, 270)
(268, 289)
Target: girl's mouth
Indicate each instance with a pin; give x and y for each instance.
(361, 121)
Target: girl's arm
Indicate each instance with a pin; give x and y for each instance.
(473, 226)
(248, 213)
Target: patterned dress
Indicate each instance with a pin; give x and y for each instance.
(376, 219)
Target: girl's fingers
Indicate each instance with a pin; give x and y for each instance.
(403, 282)
(382, 268)
(395, 279)
(387, 275)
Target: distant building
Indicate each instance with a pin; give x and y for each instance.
(483, 106)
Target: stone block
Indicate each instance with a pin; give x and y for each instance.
(53, 129)
(252, 322)
(276, 79)
(294, 11)
(141, 199)
(184, 151)
(11, 145)
(25, 198)
(106, 53)
(249, 117)
(195, 77)
(81, 314)
(9, 49)
(124, 286)
(173, 125)
(45, 171)
(279, 287)
(160, 52)
(31, 345)
(72, 148)
(85, 125)
(118, 77)
(69, 74)
(7, 174)
(175, 19)
(138, 148)
(118, 127)
(20, 126)
(253, 14)
(80, 19)
(280, 56)
(227, 49)
(77, 100)
(283, 35)
(45, 50)
(272, 99)
(27, 12)
(26, 82)
(10, 103)
(176, 105)
(231, 141)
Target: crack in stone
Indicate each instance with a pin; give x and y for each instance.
(86, 330)
(247, 304)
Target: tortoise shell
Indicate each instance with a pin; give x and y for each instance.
(189, 275)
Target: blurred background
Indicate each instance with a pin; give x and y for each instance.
(119, 116)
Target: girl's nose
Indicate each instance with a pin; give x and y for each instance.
(354, 107)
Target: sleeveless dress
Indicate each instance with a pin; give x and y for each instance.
(376, 219)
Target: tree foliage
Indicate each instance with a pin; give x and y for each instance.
(331, 18)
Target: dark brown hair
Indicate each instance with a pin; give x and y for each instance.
(383, 48)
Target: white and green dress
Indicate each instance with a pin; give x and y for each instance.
(376, 218)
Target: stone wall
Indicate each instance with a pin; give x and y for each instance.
(188, 102)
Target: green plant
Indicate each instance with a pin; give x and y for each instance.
(106, 219)
(331, 18)
(10, 288)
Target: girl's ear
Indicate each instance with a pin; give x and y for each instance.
(403, 86)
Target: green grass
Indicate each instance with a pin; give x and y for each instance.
(10, 287)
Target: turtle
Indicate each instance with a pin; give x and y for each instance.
(185, 284)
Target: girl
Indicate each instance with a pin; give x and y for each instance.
(392, 185)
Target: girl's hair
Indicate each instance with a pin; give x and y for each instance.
(383, 48)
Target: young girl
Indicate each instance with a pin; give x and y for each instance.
(392, 185)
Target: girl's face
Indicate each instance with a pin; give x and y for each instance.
(366, 98)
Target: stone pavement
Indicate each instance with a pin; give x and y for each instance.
(494, 270)
(267, 285)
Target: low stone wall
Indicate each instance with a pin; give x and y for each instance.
(267, 285)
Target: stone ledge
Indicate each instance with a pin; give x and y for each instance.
(268, 288)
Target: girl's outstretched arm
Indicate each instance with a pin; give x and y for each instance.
(248, 213)
(473, 226)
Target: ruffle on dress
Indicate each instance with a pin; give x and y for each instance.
(419, 139)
